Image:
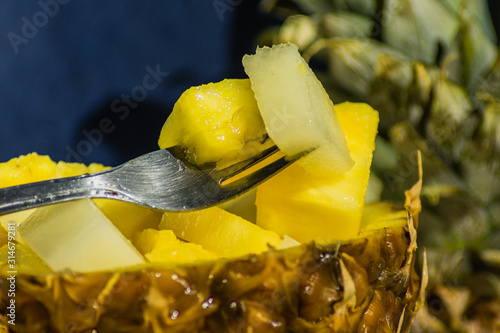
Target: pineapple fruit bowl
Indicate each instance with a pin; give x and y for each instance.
(300, 253)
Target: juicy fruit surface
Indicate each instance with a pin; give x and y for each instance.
(297, 111)
(214, 121)
(223, 233)
(323, 209)
(162, 246)
(33, 167)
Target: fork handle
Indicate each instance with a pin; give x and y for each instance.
(33, 195)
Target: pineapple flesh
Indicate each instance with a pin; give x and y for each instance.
(225, 234)
(323, 209)
(215, 127)
(215, 271)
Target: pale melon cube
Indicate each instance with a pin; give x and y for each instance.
(77, 236)
(297, 111)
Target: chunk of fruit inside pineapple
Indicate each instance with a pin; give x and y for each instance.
(163, 246)
(26, 169)
(215, 121)
(33, 168)
(130, 219)
(379, 215)
(78, 236)
(297, 112)
(323, 209)
(225, 234)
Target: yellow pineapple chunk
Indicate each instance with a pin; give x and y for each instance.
(163, 246)
(34, 168)
(65, 169)
(223, 233)
(325, 208)
(129, 218)
(378, 215)
(26, 169)
(215, 121)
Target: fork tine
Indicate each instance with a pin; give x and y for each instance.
(263, 173)
(237, 168)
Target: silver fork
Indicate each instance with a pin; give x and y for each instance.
(161, 180)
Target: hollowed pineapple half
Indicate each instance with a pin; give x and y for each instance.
(301, 253)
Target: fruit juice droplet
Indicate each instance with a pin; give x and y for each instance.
(325, 257)
(207, 303)
(174, 314)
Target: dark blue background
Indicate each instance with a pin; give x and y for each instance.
(61, 72)
(62, 80)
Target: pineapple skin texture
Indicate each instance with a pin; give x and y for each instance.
(323, 209)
